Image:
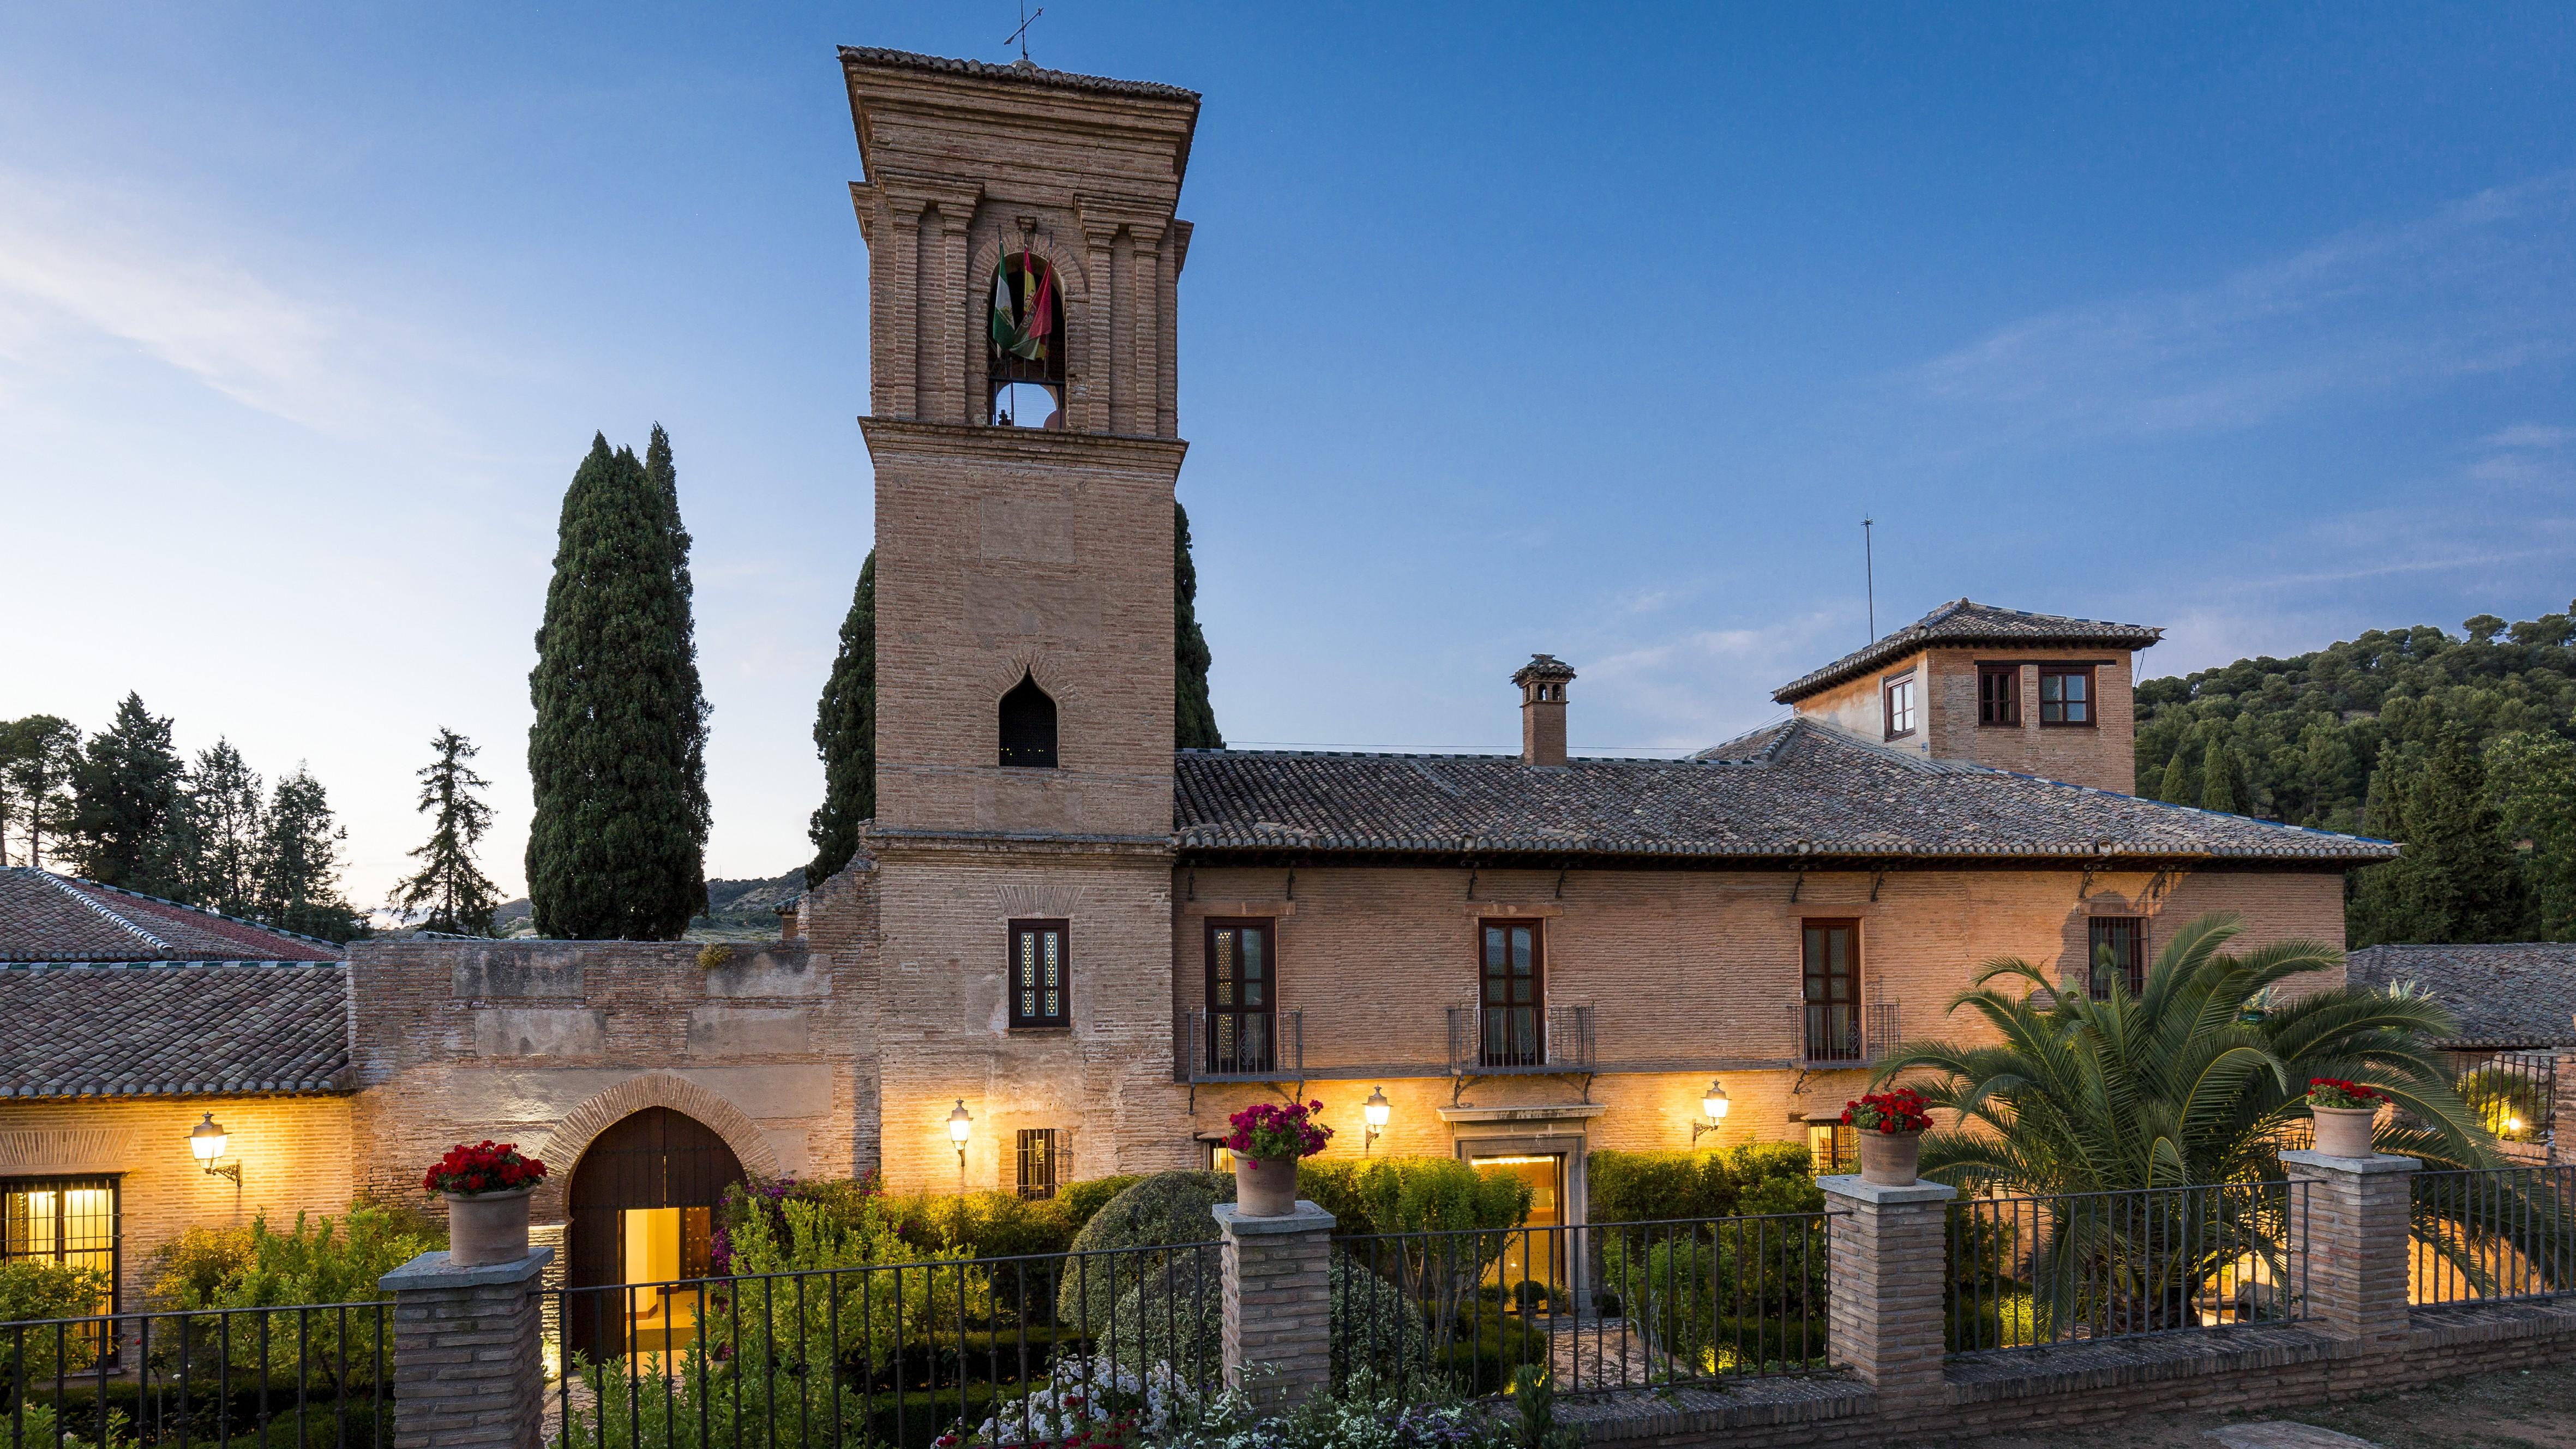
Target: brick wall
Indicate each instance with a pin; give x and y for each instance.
(293, 1152)
(2102, 755)
(457, 1041)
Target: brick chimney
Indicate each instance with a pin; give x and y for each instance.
(1542, 683)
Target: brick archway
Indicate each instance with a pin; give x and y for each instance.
(596, 1114)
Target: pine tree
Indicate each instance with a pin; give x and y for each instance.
(617, 849)
(124, 793)
(2458, 880)
(219, 832)
(299, 863)
(2533, 780)
(1193, 718)
(457, 897)
(845, 736)
(37, 757)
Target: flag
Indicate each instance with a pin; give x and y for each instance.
(1040, 325)
(1006, 333)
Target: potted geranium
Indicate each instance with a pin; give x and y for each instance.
(2344, 1112)
(486, 1186)
(1891, 1134)
(1267, 1142)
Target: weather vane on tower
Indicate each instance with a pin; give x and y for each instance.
(1021, 35)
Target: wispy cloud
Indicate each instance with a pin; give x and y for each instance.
(1700, 686)
(86, 261)
(2484, 285)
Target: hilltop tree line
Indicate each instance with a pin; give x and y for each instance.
(123, 808)
(2461, 746)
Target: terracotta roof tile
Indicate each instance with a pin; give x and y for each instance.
(2517, 995)
(173, 1028)
(1789, 791)
(49, 917)
(1965, 623)
(1020, 71)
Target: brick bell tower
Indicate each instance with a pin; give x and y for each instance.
(1023, 257)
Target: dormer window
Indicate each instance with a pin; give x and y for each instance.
(1024, 344)
(1028, 726)
(2066, 694)
(1900, 707)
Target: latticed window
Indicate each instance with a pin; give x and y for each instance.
(1037, 1163)
(1041, 977)
(1515, 991)
(1242, 998)
(1831, 958)
(2117, 948)
(67, 1220)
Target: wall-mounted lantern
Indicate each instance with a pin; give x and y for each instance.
(960, 1123)
(1713, 1105)
(1376, 1109)
(207, 1140)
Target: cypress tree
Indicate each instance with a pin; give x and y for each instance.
(665, 478)
(617, 848)
(457, 896)
(845, 736)
(2458, 880)
(124, 793)
(2174, 786)
(1193, 718)
(2218, 788)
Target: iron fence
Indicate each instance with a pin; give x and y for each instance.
(2515, 1093)
(2027, 1272)
(1599, 1307)
(312, 1375)
(896, 1354)
(2491, 1236)
(1505, 1040)
(1246, 1046)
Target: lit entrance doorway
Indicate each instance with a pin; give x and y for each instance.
(643, 1206)
(1531, 1271)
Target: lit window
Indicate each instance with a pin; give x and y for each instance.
(1900, 707)
(1037, 1163)
(1041, 977)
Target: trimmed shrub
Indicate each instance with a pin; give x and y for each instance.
(1159, 1211)
(1176, 1316)
(1412, 1194)
(1080, 1200)
(1753, 1177)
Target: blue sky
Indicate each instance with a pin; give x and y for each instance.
(1506, 328)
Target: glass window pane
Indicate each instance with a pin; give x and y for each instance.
(1494, 948)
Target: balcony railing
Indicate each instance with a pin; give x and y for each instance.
(1246, 1047)
(1840, 1033)
(1491, 1040)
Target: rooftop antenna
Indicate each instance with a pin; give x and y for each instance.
(1021, 35)
(1869, 575)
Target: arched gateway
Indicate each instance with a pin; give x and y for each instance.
(642, 1209)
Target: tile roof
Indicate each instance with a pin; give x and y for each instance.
(49, 917)
(1021, 71)
(1794, 790)
(2521, 995)
(173, 1028)
(1965, 623)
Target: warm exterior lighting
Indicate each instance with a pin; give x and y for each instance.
(207, 1140)
(1376, 1109)
(2513, 1124)
(960, 1122)
(1714, 1103)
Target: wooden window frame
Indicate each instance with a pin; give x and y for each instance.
(62, 1184)
(2010, 696)
(1537, 1005)
(1041, 1159)
(1815, 1015)
(1037, 1019)
(1887, 689)
(2133, 970)
(1268, 926)
(2088, 671)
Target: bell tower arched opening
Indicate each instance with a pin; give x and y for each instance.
(1024, 344)
(642, 1209)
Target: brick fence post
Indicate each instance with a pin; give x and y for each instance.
(2562, 1112)
(2352, 1233)
(1885, 1255)
(1279, 1300)
(469, 1364)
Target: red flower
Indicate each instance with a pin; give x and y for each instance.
(486, 1166)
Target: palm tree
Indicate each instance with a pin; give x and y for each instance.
(2189, 1085)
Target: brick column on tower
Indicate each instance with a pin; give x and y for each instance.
(1278, 1301)
(469, 1367)
(2350, 1233)
(1885, 1257)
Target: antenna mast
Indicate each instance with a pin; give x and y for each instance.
(1869, 575)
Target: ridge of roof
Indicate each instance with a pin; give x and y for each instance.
(1965, 621)
(1021, 71)
(98, 906)
(94, 896)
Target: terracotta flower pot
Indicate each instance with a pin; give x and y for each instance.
(2344, 1131)
(487, 1227)
(1265, 1187)
(1889, 1158)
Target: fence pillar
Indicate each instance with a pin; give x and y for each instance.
(1278, 1301)
(469, 1363)
(2353, 1228)
(1886, 1251)
(2562, 1111)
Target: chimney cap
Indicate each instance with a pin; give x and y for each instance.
(1544, 666)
